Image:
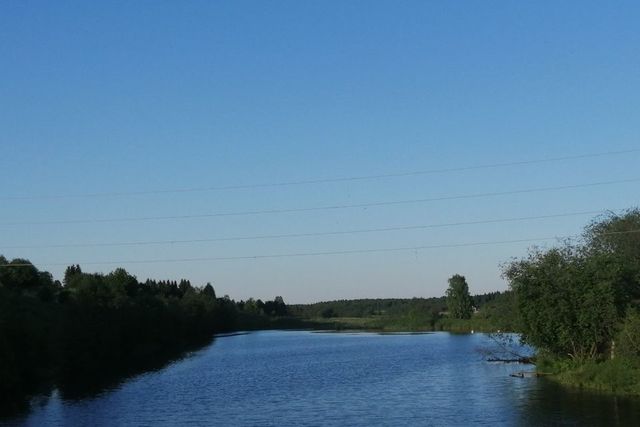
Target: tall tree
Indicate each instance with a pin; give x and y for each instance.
(209, 292)
(459, 302)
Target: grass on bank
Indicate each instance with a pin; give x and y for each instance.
(619, 375)
(402, 324)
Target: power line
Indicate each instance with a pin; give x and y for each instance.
(322, 180)
(309, 254)
(311, 234)
(323, 208)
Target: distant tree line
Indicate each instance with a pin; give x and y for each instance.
(367, 307)
(493, 311)
(94, 328)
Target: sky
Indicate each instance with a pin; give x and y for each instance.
(111, 111)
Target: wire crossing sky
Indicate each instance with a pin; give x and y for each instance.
(206, 131)
(307, 254)
(314, 234)
(329, 207)
(323, 180)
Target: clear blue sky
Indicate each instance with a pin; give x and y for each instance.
(120, 96)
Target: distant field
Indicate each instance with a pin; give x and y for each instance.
(401, 324)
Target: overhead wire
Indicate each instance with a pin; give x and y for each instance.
(310, 234)
(310, 254)
(320, 180)
(324, 208)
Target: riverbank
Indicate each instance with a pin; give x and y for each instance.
(619, 376)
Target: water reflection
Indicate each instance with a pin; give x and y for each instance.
(551, 404)
(303, 378)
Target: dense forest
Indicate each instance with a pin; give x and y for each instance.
(96, 328)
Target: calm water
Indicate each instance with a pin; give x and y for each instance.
(330, 379)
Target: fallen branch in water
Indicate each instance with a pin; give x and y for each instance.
(528, 360)
(528, 374)
(506, 348)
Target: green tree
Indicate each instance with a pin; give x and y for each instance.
(616, 238)
(566, 302)
(277, 307)
(250, 306)
(459, 302)
(572, 298)
(209, 292)
(71, 272)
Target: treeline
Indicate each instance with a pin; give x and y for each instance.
(95, 328)
(492, 311)
(579, 304)
(382, 306)
(379, 314)
(367, 307)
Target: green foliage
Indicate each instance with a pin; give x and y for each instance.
(277, 307)
(69, 274)
(99, 327)
(496, 311)
(499, 312)
(328, 313)
(550, 364)
(459, 302)
(628, 339)
(391, 307)
(572, 298)
(209, 292)
(616, 238)
(621, 376)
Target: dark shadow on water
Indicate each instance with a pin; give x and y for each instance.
(98, 382)
(86, 385)
(551, 404)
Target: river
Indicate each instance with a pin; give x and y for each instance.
(299, 378)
